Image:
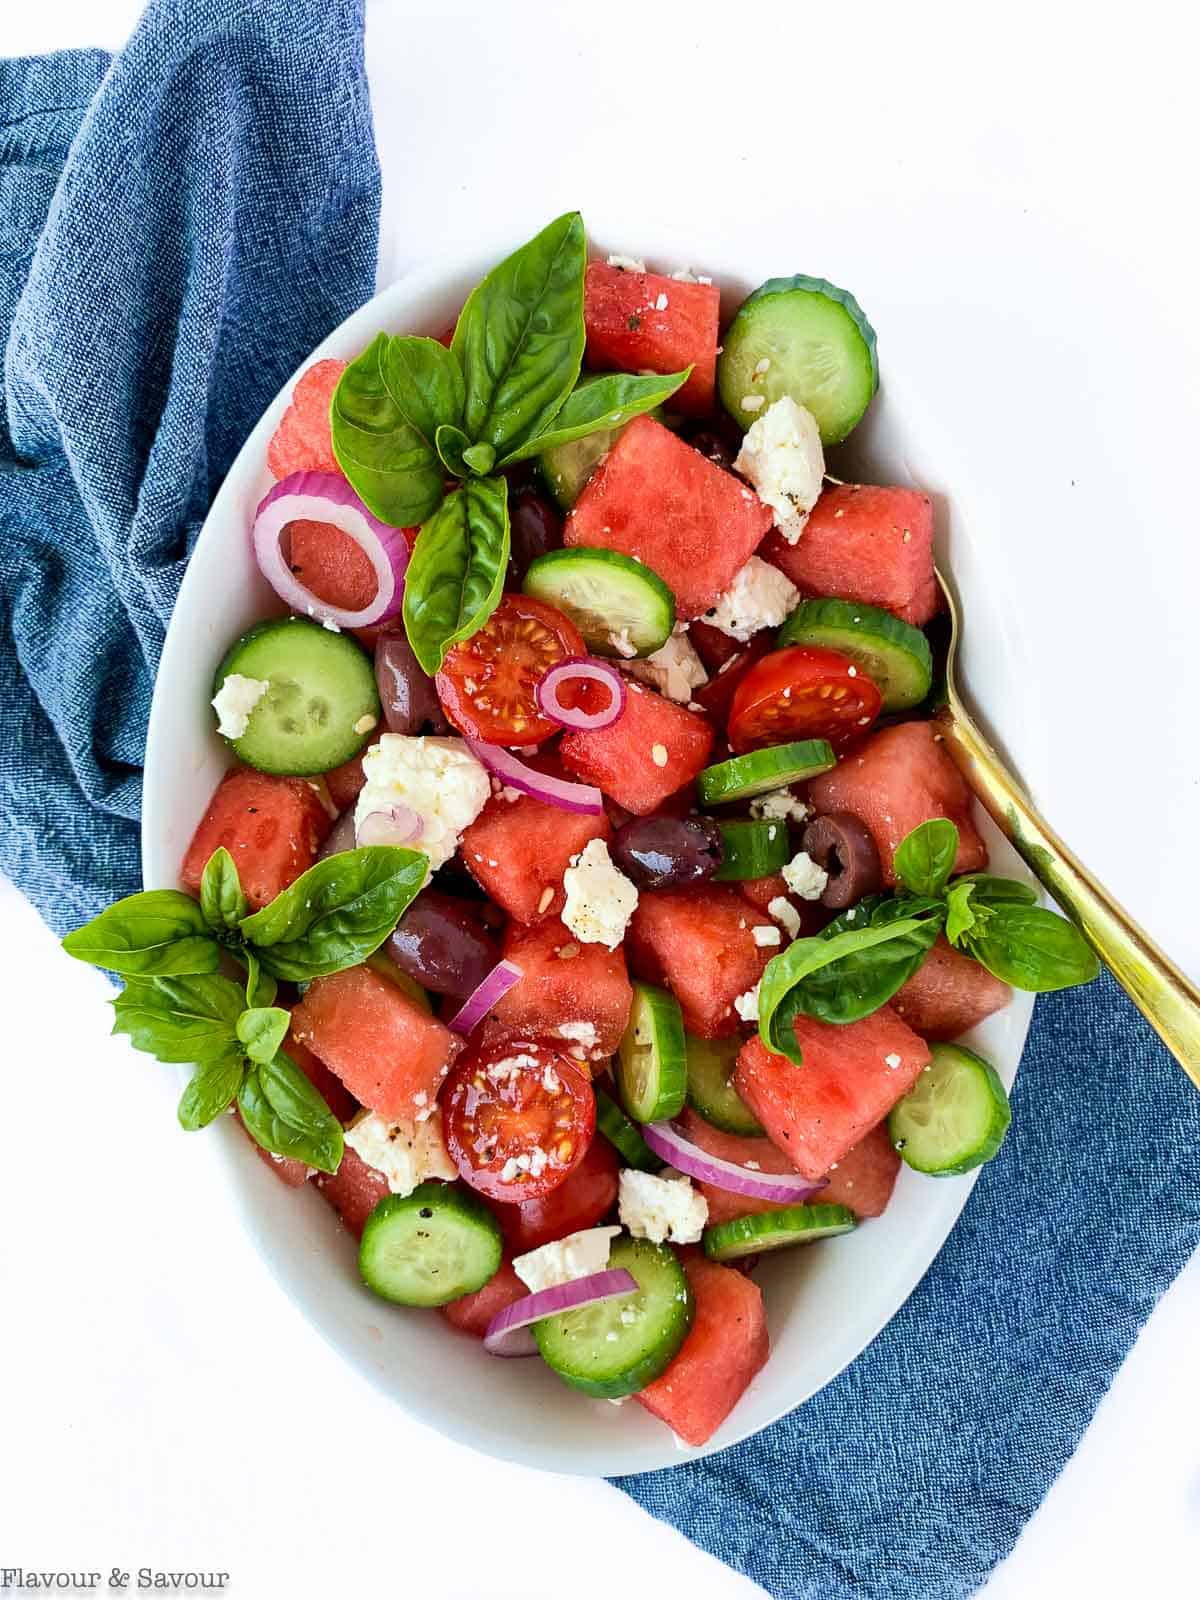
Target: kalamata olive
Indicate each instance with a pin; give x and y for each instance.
(442, 943)
(535, 527)
(341, 836)
(407, 693)
(667, 852)
(841, 844)
(710, 444)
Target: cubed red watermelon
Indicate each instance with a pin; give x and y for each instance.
(759, 892)
(519, 849)
(893, 782)
(852, 1076)
(698, 943)
(656, 498)
(865, 1176)
(330, 564)
(563, 982)
(726, 1347)
(474, 1312)
(864, 542)
(949, 993)
(272, 827)
(301, 442)
(643, 322)
(390, 1054)
(354, 1190)
(652, 750)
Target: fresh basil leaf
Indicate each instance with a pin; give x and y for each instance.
(451, 442)
(520, 339)
(456, 574)
(286, 1115)
(989, 891)
(924, 859)
(961, 915)
(221, 899)
(1032, 948)
(602, 403)
(392, 467)
(261, 987)
(161, 931)
(262, 1030)
(188, 1018)
(337, 913)
(425, 381)
(211, 1089)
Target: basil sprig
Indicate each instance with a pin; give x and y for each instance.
(924, 859)
(1016, 939)
(456, 575)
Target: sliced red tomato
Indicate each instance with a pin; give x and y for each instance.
(518, 1120)
(802, 693)
(487, 683)
(581, 1201)
(717, 694)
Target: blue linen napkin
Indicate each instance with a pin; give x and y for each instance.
(177, 231)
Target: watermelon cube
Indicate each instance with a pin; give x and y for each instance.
(473, 1312)
(301, 442)
(651, 751)
(390, 1053)
(852, 1076)
(865, 1176)
(726, 1347)
(656, 498)
(863, 542)
(563, 984)
(949, 993)
(330, 564)
(354, 1190)
(697, 943)
(519, 849)
(893, 782)
(643, 322)
(272, 827)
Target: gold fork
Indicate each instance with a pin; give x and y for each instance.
(1166, 997)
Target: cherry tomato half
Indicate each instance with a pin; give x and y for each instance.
(487, 683)
(518, 1119)
(583, 1200)
(802, 693)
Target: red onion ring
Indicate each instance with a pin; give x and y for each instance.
(396, 825)
(666, 1140)
(508, 1332)
(326, 497)
(580, 669)
(484, 996)
(580, 797)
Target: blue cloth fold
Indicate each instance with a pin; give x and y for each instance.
(178, 228)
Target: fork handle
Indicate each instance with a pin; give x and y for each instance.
(1165, 996)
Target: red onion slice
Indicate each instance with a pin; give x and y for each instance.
(484, 996)
(580, 797)
(508, 1332)
(580, 669)
(326, 497)
(666, 1140)
(396, 825)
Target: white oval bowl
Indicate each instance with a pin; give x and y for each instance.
(824, 1305)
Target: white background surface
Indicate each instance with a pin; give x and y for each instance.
(161, 1402)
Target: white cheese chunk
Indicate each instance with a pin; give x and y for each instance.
(675, 670)
(662, 1208)
(782, 457)
(760, 596)
(439, 779)
(746, 1005)
(804, 877)
(764, 936)
(600, 900)
(577, 1256)
(405, 1152)
(686, 275)
(234, 701)
(785, 913)
(627, 263)
(781, 803)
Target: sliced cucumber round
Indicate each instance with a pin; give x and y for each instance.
(752, 849)
(322, 705)
(616, 1347)
(955, 1116)
(893, 654)
(773, 1230)
(652, 1057)
(429, 1247)
(623, 1135)
(609, 597)
(565, 468)
(759, 771)
(805, 338)
(710, 1091)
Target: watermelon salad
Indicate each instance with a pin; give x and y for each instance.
(590, 905)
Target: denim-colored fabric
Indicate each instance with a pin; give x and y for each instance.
(169, 251)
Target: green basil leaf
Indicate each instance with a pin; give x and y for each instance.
(221, 899)
(479, 458)
(602, 403)
(456, 575)
(1032, 948)
(337, 913)
(451, 442)
(520, 339)
(262, 1030)
(961, 915)
(989, 891)
(211, 1089)
(925, 858)
(285, 1114)
(425, 381)
(392, 467)
(188, 1018)
(162, 931)
(261, 987)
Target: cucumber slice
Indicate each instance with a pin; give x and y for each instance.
(565, 468)
(773, 1230)
(760, 771)
(752, 849)
(817, 346)
(652, 1057)
(616, 1347)
(623, 1135)
(955, 1116)
(322, 706)
(605, 594)
(893, 654)
(429, 1247)
(710, 1064)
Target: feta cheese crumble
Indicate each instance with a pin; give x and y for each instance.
(764, 935)
(581, 1033)
(600, 900)
(785, 913)
(746, 1005)
(234, 701)
(781, 804)
(804, 877)
(622, 643)
(674, 671)
(892, 1061)
(658, 754)
(439, 779)
(782, 457)
(760, 596)
(577, 1256)
(661, 303)
(686, 275)
(661, 1208)
(627, 263)
(405, 1152)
